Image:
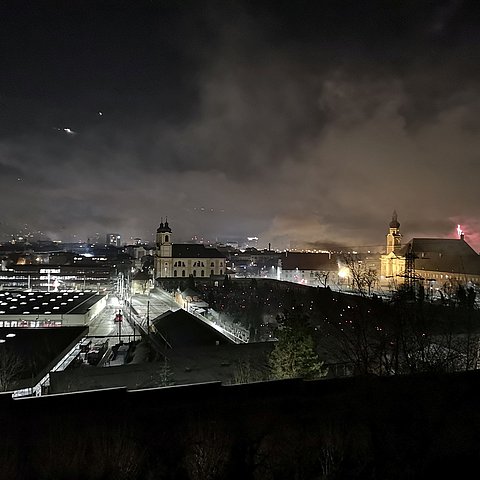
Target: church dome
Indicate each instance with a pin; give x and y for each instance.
(164, 227)
(394, 223)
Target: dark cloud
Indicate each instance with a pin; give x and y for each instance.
(297, 122)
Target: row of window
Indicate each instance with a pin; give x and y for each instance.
(195, 264)
(451, 277)
(194, 273)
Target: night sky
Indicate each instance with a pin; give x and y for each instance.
(289, 120)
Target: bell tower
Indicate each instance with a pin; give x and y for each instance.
(394, 236)
(163, 251)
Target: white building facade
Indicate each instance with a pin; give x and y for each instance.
(182, 260)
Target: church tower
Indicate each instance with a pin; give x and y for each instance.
(163, 256)
(394, 236)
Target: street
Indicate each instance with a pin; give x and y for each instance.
(156, 302)
(104, 324)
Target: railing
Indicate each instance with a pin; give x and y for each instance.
(236, 334)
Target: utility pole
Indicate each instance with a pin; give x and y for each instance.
(148, 317)
(131, 320)
(120, 318)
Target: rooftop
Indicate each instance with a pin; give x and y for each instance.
(306, 261)
(444, 255)
(193, 250)
(182, 329)
(44, 303)
(450, 246)
(37, 350)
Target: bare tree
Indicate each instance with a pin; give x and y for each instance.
(207, 451)
(10, 367)
(331, 452)
(322, 278)
(246, 372)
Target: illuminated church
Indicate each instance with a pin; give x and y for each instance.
(182, 260)
(438, 263)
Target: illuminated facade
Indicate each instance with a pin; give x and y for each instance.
(183, 260)
(438, 263)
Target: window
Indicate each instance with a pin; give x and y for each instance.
(166, 238)
(174, 273)
(194, 273)
(221, 272)
(203, 273)
(183, 273)
(212, 264)
(211, 272)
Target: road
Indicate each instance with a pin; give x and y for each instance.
(157, 302)
(152, 305)
(104, 324)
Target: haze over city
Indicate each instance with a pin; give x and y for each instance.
(291, 121)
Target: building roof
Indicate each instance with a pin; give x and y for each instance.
(450, 246)
(38, 349)
(182, 329)
(44, 303)
(444, 255)
(306, 261)
(187, 366)
(194, 250)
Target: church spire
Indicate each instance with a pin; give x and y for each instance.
(394, 236)
(394, 223)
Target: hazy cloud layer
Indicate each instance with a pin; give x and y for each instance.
(293, 122)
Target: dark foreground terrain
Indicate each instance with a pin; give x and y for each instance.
(425, 426)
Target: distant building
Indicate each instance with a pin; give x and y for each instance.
(254, 263)
(307, 268)
(183, 260)
(57, 277)
(113, 240)
(436, 263)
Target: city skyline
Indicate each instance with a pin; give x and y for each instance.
(308, 122)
